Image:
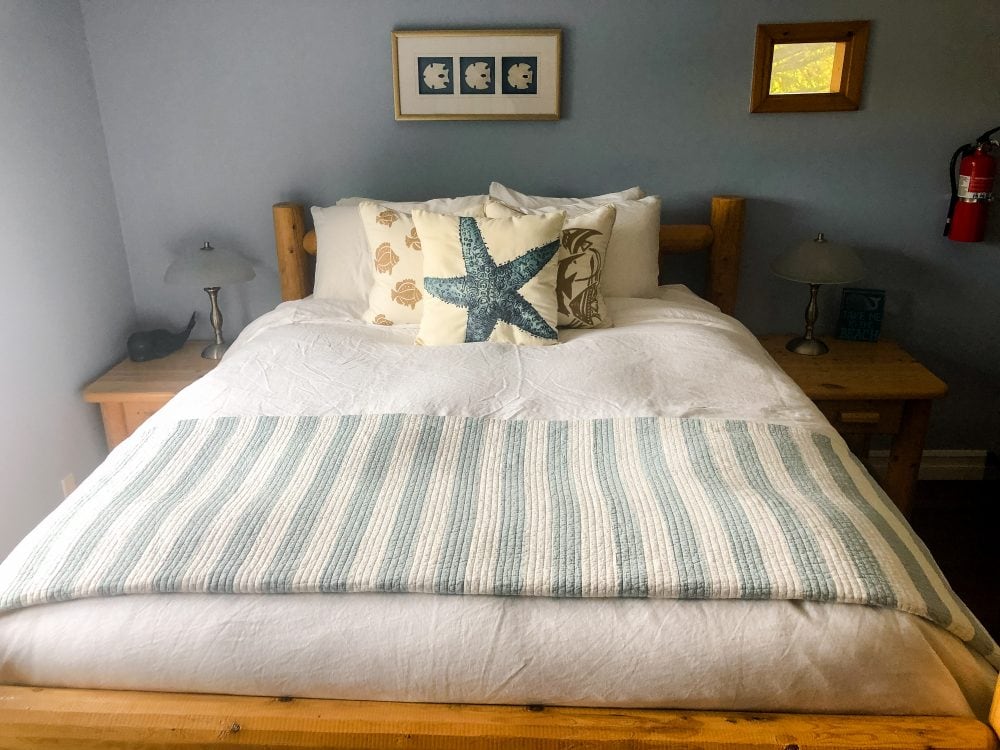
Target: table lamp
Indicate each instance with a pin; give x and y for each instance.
(210, 267)
(816, 262)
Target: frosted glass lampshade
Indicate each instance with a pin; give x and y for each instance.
(209, 266)
(819, 262)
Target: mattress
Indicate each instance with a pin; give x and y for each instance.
(672, 357)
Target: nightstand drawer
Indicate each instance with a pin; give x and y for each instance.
(866, 416)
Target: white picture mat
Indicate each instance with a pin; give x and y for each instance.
(545, 46)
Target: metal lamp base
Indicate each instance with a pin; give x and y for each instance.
(807, 344)
(811, 347)
(217, 349)
(214, 351)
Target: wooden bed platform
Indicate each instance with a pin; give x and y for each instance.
(86, 719)
(33, 717)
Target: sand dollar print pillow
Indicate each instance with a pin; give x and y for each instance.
(582, 253)
(489, 279)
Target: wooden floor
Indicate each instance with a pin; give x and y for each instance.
(959, 521)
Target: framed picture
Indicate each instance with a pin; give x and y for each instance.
(473, 74)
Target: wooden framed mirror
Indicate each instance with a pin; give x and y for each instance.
(809, 67)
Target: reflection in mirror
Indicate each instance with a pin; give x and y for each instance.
(804, 68)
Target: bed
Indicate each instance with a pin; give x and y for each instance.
(519, 671)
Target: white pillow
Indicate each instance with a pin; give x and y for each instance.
(343, 262)
(343, 268)
(633, 260)
(465, 205)
(521, 200)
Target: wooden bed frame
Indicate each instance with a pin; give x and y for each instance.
(722, 238)
(33, 717)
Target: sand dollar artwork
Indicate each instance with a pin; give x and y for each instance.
(436, 76)
(478, 76)
(520, 75)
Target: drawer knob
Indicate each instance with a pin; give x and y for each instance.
(860, 417)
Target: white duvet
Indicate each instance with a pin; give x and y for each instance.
(677, 356)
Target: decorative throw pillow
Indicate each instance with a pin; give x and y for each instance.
(633, 262)
(396, 292)
(343, 260)
(489, 279)
(397, 288)
(522, 200)
(582, 251)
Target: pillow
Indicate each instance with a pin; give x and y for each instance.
(342, 268)
(633, 262)
(465, 205)
(343, 261)
(489, 279)
(582, 250)
(396, 267)
(519, 200)
(396, 264)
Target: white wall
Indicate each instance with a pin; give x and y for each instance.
(64, 279)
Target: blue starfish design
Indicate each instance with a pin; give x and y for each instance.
(491, 292)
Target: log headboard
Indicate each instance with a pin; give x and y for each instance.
(722, 237)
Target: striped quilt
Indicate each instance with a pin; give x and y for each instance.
(643, 507)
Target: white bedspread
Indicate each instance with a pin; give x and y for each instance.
(676, 357)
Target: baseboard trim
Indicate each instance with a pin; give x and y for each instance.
(940, 464)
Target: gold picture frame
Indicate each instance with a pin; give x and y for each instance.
(849, 43)
(477, 74)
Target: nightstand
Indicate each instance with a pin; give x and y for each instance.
(131, 392)
(867, 389)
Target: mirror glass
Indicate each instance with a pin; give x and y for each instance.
(804, 68)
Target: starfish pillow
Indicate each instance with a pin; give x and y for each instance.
(489, 279)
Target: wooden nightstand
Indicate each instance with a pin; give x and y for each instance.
(867, 389)
(131, 392)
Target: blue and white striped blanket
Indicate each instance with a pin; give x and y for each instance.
(644, 507)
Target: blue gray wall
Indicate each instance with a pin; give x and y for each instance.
(215, 110)
(65, 283)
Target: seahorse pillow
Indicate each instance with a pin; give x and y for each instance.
(397, 267)
(633, 260)
(582, 251)
(489, 279)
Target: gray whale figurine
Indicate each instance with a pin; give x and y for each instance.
(146, 345)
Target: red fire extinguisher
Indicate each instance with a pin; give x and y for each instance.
(972, 191)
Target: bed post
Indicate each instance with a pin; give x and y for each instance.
(294, 266)
(724, 256)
